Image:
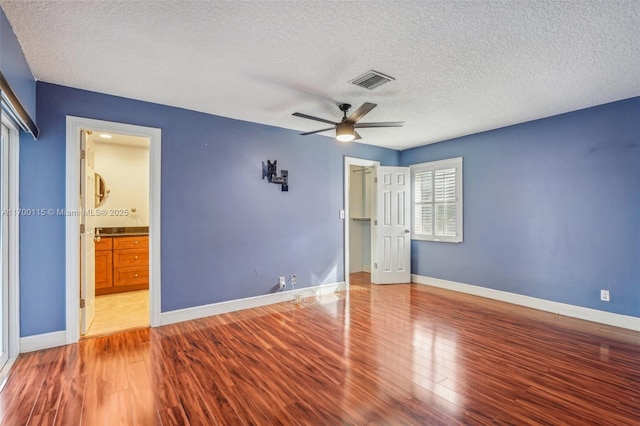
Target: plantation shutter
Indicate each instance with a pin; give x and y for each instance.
(437, 200)
(423, 203)
(445, 203)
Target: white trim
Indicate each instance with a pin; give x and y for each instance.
(43, 341)
(5, 372)
(196, 312)
(602, 317)
(74, 125)
(155, 232)
(14, 246)
(351, 161)
(13, 227)
(366, 268)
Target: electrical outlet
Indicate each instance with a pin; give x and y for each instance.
(604, 295)
(294, 279)
(282, 283)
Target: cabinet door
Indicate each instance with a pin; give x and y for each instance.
(104, 270)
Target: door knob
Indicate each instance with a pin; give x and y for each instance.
(406, 231)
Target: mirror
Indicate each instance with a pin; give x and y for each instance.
(102, 193)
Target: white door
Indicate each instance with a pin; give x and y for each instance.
(391, 248)
(4, 247)
(87, 242)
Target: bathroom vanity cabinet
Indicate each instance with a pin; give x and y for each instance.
(122, 263)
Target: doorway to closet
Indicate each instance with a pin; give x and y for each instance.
(377, 221)
(359, 208)
(360, 197)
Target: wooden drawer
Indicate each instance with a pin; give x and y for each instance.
(131, 257)
(137, 242)
(130, 276)
(105, 243)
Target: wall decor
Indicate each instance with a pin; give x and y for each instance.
(270, 171)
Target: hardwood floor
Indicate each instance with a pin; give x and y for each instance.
(394, 354)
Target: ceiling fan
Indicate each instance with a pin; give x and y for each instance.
(346, 129)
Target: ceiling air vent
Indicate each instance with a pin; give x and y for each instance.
(371, 79)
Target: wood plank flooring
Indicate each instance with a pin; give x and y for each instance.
(378, 355)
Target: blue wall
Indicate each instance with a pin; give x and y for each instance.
(551, 209)
(226, 232)
(14, 67)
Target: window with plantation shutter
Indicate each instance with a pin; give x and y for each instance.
(437, 200)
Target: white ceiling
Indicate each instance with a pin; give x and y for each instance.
(118, 139)
(461, 67)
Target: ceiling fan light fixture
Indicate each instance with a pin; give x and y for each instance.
(346, 129)
(345, 132)
(345, 137)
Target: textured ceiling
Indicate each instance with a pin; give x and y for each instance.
(461, 67)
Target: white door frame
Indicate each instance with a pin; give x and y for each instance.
(348, 162)
(74, 125)
(14, 239)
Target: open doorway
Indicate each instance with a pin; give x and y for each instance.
(117, 166)
(110, 232)
(388, 192)
(359, 209)
(361, 182)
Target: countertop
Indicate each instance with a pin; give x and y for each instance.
(130, 231)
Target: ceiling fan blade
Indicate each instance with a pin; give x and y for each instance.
(317, 131)
(380, 124)
(311, 117)
(361, 112)
(357, 136)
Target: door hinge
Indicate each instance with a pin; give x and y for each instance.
(375, 180)
(375, 265)
(82, 228)
(83, 154)
(81, 303)
(375, 222)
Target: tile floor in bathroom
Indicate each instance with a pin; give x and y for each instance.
(120, 311)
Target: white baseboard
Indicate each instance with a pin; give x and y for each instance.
(196, 312)
(366, 268)
(602, 317)
(43, 341)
